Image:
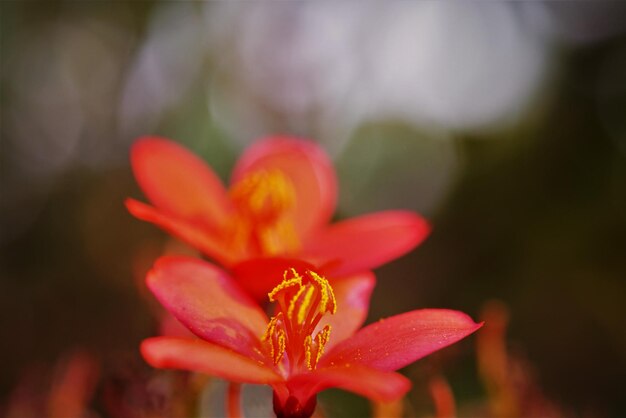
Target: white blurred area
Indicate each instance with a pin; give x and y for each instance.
(163, 68)
(325, 69)
(79, 88)
(451, 64)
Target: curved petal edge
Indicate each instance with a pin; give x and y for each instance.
(200, 356)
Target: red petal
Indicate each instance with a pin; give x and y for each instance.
(308, 168)
(178, 182)
(198, 236)
(200, 356)
(171, 327)
(395, 342)
(207, 301)
(259, 276)
(371, 383)
(353, 301)
(368, 241)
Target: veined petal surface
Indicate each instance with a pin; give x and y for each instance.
(367, 241)
(207, 301)
(195, 234)
(392, 343)
(178, 182)
(201, 356)
(374, 384)
(353, 300)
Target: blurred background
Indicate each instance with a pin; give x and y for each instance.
(502, 123)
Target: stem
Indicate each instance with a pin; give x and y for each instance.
(233, 400)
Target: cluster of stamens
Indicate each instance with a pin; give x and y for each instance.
(263, 199)
(301, 302)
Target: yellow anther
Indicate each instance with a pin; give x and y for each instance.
(296, 280)
(328, 302)
(267, 337)
(293, 272)
(264, 193)
(264, 199)
(302, 302)
(293, 301)
(271, 327)
(321, 338)
(273, 186)
(275, 338)
(308, 342)
(305, 304)
(282, 344)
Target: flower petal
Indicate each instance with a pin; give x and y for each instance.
(258, 276)
(171, 327)
(198, 236)
(395, 342)
(207, 301)
(367, 241)
(204, 357)
(178, 182)
(353, 301)
(371, 383)
(309, 170)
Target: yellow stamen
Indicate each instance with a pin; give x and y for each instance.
(264, 200)
(327, 294)
(308, 341)
(321, 338)
(305, 304)
(269, 332)
(292, 302)
(302, 302)
(296, 280)
(264, 193)
(282, 344)
(271, 327)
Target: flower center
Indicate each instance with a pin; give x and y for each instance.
(301, 301)
(263, 199)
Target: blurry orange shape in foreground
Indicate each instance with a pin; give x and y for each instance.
(67, 395)
(511, 387)
(493, 361)
(73, 387)
(278, 207)
(391, 409)
(310, 344)
(443, 398)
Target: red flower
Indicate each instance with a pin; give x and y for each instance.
(282, 196)
(310, 344)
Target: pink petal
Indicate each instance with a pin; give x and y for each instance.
(395, 342)
(258, 276)
(178, 182)
(371, 383)
(368, 241)
(196, 235)
(207, 301)
(353, 301)
(203, 357)
(308, 168)
(171, 327)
